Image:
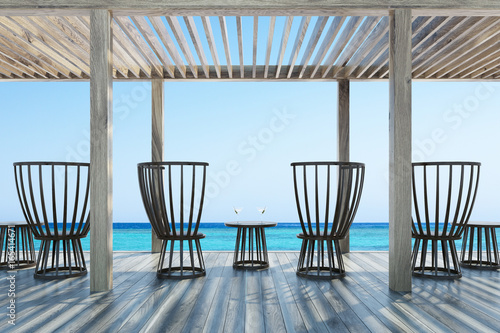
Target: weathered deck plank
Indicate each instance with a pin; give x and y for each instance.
(272, 300)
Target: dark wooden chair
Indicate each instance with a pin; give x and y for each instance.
(327, 197)
(443, 197)
(54, 197)
(173, 194)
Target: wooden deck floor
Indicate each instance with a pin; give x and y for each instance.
(273, 300)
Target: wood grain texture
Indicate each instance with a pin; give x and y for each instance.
(274, 300)
(157, 136)
(101, 146)
(400, 150)
(343, 135)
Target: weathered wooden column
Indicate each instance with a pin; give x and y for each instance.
(157, 137)
(400, 150)
(101, 167)
(343, 135)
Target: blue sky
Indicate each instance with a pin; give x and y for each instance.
(249, 133)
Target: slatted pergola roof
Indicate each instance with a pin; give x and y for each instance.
(249, 47)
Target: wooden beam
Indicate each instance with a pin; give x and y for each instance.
(239, 32)
(101, 170)
(225, 42)
(284, 41)
(246, 8)
(400, 208)
(255, 37)
(270, 35)
(157, 136)
(343, 125)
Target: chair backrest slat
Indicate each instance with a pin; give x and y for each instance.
(333, 211)
(167, 194)
(64, 180)
(452, 186)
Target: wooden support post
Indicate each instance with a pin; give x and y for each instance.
(101, 167)
(400, 150)
(343, 136)
(157, 137)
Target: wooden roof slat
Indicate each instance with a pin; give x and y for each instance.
(382, 61)
(439, 29)
(12, 50)
(23, 66)
(31, 46)
(6, 73)
(183, 44)
(80, 56)
(311, 45)
(195, 38)
(328, 40)
(284, 41)
(463, 53)
(122, 56)
(135, 37)
(357, 40)
(54, 45)
(254, 50)
(460, 36)
(480, 66)
(64, 66)
(491, 73)
(167, 41)
(344, 38)
(225, 41)
(82, 28)
(150, 37)
(304, 23)
(272, 23)
(429, 31)
(211, 44)
(9, 64)
(130, 52)
(370, 43)
(239, 32)
(469, 58)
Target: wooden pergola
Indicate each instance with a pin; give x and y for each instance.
(157, 41)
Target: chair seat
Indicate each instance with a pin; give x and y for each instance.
(321, 235)
(183, 236)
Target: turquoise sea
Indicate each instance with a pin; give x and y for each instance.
(283, 237)
(137, 237)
